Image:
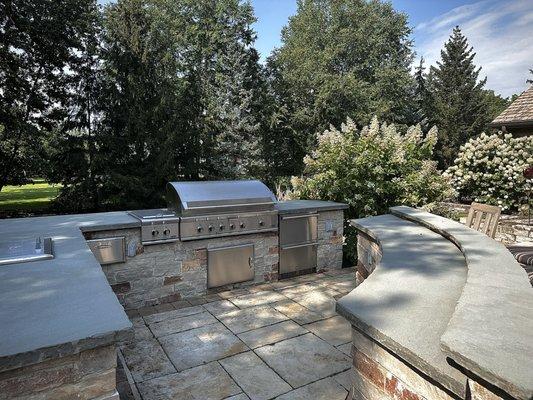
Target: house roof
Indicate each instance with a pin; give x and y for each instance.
(520, 112)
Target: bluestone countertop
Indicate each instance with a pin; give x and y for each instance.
(491, 330)
(407, 301)
(52, 308)
(443, 290)
(310, 206)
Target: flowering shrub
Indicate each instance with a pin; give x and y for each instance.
(489, 169)
(372, 169)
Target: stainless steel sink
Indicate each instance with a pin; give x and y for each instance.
(22, 251)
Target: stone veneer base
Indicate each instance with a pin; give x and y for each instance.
(89, 375)
(164, 273)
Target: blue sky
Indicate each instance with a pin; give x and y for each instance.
(501, 32)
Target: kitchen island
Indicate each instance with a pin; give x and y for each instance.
(60, 319)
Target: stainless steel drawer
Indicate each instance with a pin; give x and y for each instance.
(297, 258)
(109, 250)
(298, 229)
(230, 264)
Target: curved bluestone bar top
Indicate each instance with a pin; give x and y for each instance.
(299, 206)
(490, 333)
(57, 307)
(406, 303)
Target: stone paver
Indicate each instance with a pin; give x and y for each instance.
(335, 330)
(170, 326)
(297, 312)
(220, 307)
(240, 396)
(318, 301)
(201, 348)
(272, 334)
(202, 345)
(257, 299)
(345, 379)
(346, 348)
(324, 389)
(182, 312)
(257, 380)
(251, 318)
(136, 355)
(206, 382)
(303, 359)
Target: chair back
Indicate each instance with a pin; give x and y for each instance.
(483, 218)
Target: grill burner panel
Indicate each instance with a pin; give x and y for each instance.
(202, 227)
(157, 226)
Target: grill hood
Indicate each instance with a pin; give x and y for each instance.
(210, 197)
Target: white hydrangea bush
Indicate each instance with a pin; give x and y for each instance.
(489, 169)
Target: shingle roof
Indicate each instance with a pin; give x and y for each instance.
(520, 110)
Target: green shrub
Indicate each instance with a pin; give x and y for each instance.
(372, 169)
(489, 169)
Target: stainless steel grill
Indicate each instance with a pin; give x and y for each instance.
(200, 210)
(222, 208)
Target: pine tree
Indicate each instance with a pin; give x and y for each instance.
(39, 40)
(422, 95)
(460, 109)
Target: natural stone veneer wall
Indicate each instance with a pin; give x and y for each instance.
(163, 273)
(330, 240)
(89, 375)
(378, 374)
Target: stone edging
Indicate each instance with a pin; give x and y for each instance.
(491, 331)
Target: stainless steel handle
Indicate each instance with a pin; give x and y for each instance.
(299, 216)
(250, 262)
(294, 246)
(230, 205)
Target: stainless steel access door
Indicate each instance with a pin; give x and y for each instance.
(230, 264)
(298, 229)
(298, 236)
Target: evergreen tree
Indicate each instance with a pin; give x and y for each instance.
(72, 150)
(338, 59)
(39, 41)
(459, 102)
(530, 80)
(422, 95)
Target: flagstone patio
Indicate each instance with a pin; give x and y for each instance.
(282, 340)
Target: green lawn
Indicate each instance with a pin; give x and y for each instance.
(31, 198)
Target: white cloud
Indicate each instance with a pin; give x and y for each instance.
(501, 32)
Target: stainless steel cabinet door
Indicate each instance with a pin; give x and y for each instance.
(297, 258)
(230, 265)
(298, 229)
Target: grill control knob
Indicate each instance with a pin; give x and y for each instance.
(261, 223)
(232, 226)
(221, 227)
(199, 228)
(242, 225)
(166, 232)
(210, 227)
(155, 232)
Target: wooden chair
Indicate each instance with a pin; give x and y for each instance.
(483, 218)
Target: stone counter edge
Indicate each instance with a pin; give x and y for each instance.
(15, 361)
(465, 341)
(391, 345)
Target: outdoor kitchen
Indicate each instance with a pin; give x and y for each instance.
(215, 236)
(60, 313)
